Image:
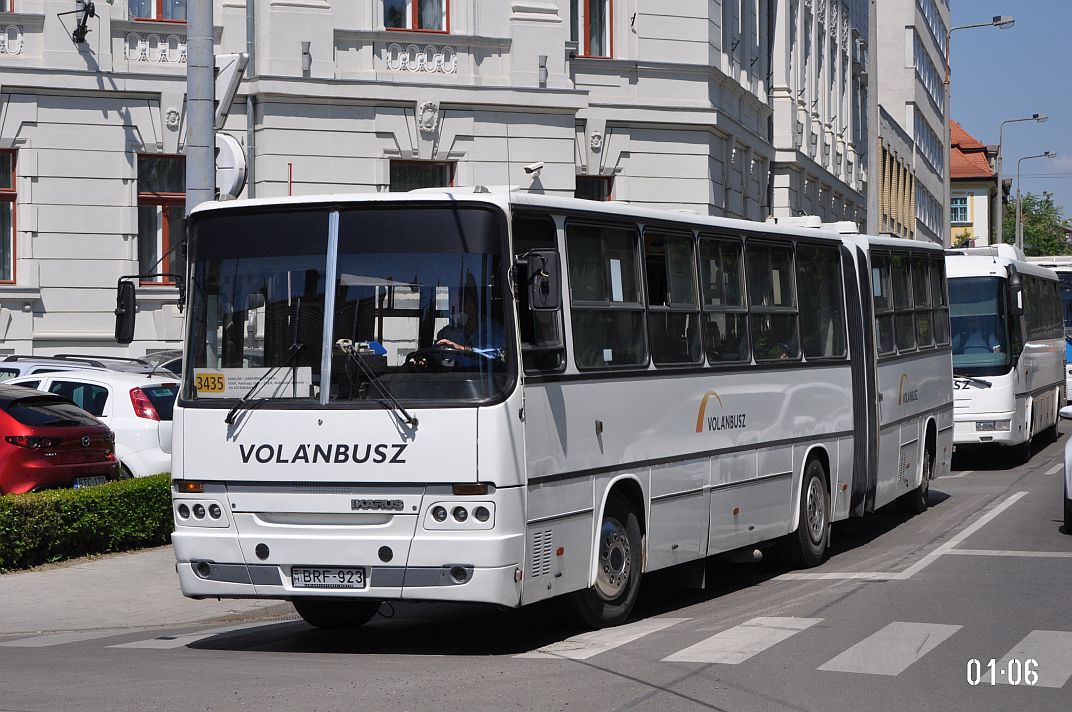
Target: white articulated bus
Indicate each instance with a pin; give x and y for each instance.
(500, 397)
(1008, 348)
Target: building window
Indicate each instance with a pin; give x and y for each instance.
(7, 216)
(161, 216)
(958, 209)
(411, 175)
(164, 10)
(590, 27)
(593, 187)
(421, 15)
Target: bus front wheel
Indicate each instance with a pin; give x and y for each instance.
(335, 613)
(808, 546)
(619, 560)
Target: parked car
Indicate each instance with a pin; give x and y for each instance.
(15, 366)
(48, 441)
(137, 407)
(170, 360)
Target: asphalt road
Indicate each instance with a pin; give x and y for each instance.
(891, 621)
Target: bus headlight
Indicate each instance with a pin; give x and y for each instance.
(992, 425)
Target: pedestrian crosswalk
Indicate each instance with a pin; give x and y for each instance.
(889, 651)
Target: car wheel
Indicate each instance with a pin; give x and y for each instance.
(1068, 511)
(610, 600)
(333, 613)
(125, 473)
(807, 547)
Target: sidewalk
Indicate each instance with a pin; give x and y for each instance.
(131, 590)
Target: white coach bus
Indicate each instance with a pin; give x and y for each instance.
(500, 397)
(1008, 348)
(1062, 267)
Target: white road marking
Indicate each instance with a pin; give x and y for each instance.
(915, 568)
(961, 474)
(44, 641)
(1011, 552)
(740, 643)
(1055, 469)
(891, 650)
(177, 641)
(586, 645)
(1052, 650)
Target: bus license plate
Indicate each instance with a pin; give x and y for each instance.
(306, 577)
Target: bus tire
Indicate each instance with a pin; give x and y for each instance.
(334, 613)
(620, 560)
(808, 546)
(917, 501)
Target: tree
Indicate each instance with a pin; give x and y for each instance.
(1045, 226)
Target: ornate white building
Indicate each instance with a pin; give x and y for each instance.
(744, 108)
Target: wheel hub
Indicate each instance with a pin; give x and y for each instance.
(816, 510)
(614, 560)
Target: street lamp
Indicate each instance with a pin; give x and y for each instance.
(1002, 22)
(1039, 118)
(1019, 202)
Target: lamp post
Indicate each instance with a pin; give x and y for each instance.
(1002, 22)
(1039, 118)
(1019, 202)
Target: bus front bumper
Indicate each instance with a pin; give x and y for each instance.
(986, 428)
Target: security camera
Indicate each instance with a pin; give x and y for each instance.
(534, 168)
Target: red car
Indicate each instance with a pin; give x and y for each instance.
(47, 441)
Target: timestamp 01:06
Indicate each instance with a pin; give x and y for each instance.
(1012, 672)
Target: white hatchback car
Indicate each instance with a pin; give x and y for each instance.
(137, 407)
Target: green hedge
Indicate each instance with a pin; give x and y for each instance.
(42, 527)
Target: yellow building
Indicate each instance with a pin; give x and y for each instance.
(973, 191)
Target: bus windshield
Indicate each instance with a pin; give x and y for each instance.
(418, 310)
(979, 327)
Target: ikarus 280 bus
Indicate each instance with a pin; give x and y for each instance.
(501, 397)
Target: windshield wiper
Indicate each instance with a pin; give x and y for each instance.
(288, 358)
(388, 401)
(978, 381)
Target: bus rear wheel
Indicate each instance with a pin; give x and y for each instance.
(808, 546)
(335, 613)
(619, 560)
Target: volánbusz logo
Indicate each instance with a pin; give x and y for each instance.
(904, 395)
(732, 421)
(331, 453)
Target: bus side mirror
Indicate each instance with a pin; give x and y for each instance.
(1016, 293)
(544, 280)
(124, 312)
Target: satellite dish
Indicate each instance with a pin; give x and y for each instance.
(230, 166)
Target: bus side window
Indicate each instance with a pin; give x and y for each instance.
(605, 296)
(880, 285)
(673, 312)
(822, 310)
(939, 300)
(922, 301)
(772, 303)
(904, 326)
(542, 345)
(725, 313)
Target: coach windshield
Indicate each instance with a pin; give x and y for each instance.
(414, 306)
(980, 333)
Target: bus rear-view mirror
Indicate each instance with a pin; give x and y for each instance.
(544, 279)
(1016, 293)
(124, 312)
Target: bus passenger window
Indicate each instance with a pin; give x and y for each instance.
(880, 285)
(721, 276)
(904, 326)
(673, 312)
(922, 301)
(938, 299)
(772, 304)
(607, 312)
(822, 305)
